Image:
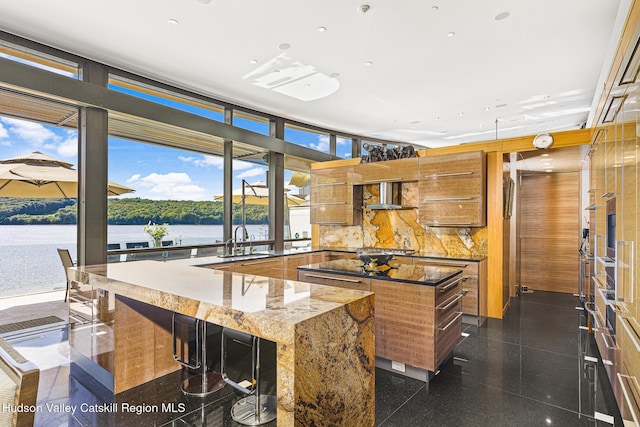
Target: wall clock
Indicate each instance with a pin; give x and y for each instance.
(542, 141)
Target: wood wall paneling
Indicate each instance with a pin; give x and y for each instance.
(550, 231)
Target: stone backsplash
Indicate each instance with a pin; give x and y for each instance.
(400, 229)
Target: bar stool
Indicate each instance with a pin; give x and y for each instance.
(254, 409)
(205, 382)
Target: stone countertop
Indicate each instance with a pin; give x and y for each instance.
(210, 260)
(273, 306)
(395, 271)
(324, 335)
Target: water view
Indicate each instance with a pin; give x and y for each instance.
(30, 263)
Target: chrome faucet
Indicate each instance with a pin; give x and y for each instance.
(245, 235)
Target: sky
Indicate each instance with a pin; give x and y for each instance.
(155, 172)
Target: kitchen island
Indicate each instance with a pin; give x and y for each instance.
(418, 309)
(324, 335)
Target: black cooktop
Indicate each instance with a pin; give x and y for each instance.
(395, 271)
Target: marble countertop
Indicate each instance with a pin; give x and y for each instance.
(210, 260)
(274, 306)
(400, 272)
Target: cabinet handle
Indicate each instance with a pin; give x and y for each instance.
(455, 300)
(439, 175)
(448, 223)
(332, 203)
(631, 404)
(441, 264)
(330, 223)
(627, 329)
(383, 179)
(257, 262)
(330, 183)
(606, 343)
(449, 199)
(331, 278)
(296, 257)
(224, 267)
(450, 285)
(452, 322)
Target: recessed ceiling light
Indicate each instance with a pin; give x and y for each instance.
(487, 108)
(334, 75)
(253, 61)
(322, 29)
(451, 34)
(173, 22)
(284, 46)
(436, 118)
(204, 1)
(548, 170)
(501, 16)
(364, 8)
(434, 8)
(368, 63)
(461, 113)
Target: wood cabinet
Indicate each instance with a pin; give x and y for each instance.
(290, 265)
(474, 286)
(453, 189)
(416, 324)
(337, 280)
(334, 199)
(401, 170)
(269, 267)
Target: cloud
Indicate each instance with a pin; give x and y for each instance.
(4, 133)
(34, 134)
(216, 161)
(322, 144)
(172, 186)
(252, 172)
(68, 147)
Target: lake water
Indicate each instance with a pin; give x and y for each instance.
(30, 262)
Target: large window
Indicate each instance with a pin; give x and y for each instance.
(307, 137)
(39, 59)
(344, 147)
(165, 97)
(251, 122)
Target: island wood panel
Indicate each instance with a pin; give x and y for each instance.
(550, 231)
(405, 323)
(133, 344)
(269, 267)
(337, 280)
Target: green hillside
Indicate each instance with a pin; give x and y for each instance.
(125, 211)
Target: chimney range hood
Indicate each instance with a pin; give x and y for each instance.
(390, 197)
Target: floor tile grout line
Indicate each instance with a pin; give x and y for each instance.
(402, 405)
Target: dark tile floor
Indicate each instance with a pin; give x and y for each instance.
(528, 369)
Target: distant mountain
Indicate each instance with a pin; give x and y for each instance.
(126, 211)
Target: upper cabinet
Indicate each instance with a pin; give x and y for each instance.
(402, 170)
(334, 199)
(452, 190)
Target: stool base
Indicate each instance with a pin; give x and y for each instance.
(244, 410)
(196, 385)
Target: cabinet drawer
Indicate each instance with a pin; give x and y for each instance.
(332, 194)
(452, 214)
(334, 214)
(337, 280)
(389, 171)
(331, 176)
(455, 188)
(447, 311)
(446, 291)
(456, 165)
(447, 338)
(264, 267)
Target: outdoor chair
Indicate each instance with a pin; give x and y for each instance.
(136, 245)
(167, 243)
(67, 262)
(18, 386)
(113, 247)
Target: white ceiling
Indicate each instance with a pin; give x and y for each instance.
(535, 71)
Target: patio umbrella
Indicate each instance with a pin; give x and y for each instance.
(258, 194)
(39, 176)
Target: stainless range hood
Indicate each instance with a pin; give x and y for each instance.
(390, 197)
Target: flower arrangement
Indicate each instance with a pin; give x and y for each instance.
(157, 232)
